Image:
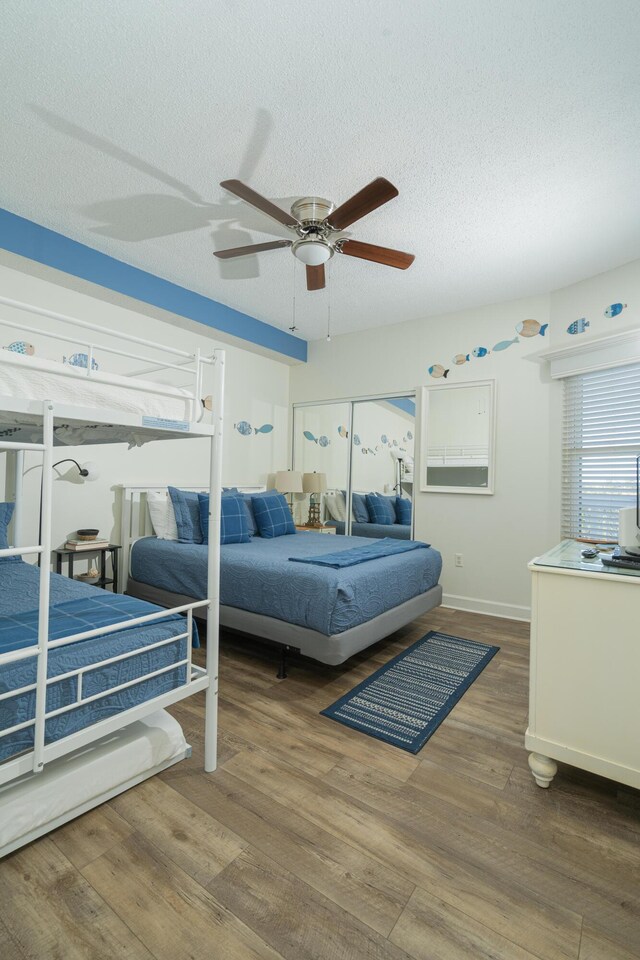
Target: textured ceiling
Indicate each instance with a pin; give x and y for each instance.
(511, 129)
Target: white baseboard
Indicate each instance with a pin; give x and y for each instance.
(490, 608)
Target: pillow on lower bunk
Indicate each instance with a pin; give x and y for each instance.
(234, 519)
(403, 511)
(381, 509)
(359, 508)
(162, 515)
(187, 513)
(273, 516)
(6, 512)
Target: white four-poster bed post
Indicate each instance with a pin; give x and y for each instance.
(213, 567)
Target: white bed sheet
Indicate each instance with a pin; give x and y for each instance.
(69, 784)
(34, 378)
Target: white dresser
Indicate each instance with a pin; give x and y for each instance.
(584, 688)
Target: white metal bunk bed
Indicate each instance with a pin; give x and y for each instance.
(19, 418)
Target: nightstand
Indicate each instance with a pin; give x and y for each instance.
(71, 555)
(306, 529)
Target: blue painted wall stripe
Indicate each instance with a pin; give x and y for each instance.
(404, 403)
(29, 239)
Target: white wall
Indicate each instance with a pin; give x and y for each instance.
(257, 391)
(497, 535)
(589, 300)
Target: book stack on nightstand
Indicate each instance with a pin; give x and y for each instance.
(307, 529)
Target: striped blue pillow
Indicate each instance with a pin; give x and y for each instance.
(234, 519)
(403, 511)
(273, 516)
(381, 509)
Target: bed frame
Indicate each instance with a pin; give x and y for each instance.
(33, 762)
(332, 650)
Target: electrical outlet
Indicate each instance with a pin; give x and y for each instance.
(458, 559)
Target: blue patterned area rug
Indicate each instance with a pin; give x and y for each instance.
(405, 701)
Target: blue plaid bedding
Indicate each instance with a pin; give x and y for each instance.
(387, 547)
(75, 608)
(18, 630)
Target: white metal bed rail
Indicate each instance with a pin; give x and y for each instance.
(195, 358)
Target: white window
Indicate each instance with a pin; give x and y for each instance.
(601, 444)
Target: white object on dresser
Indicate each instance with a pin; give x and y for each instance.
(584, 686)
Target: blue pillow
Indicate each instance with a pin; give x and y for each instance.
(248, 498)
(187, 512)
(6, 512)
(403, 511)
(381, 509)
(234, 519)
(359, 507)
(273, 516)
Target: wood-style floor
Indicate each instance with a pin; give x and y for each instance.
(314, 841)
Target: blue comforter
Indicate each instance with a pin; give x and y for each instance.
(258, 577)
(19, 584)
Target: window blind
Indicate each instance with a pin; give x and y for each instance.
(601, 444)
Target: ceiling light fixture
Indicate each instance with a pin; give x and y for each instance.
(312, 251)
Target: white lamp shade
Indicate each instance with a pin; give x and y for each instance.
(92, 470)
(314, 482)
(289, 481)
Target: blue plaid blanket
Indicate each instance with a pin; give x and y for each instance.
(75, 616)
(386, 547)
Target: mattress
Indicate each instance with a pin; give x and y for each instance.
(259, 577)
(373, 531)
(19, 583)
(75, 783)
(33, 378)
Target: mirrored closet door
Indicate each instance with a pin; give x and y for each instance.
(363, 452)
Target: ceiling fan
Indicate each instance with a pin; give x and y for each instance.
(318, 225)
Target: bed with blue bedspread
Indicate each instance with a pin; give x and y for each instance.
(74, 608)
(327, 613)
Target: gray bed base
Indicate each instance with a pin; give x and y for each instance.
(331, 650)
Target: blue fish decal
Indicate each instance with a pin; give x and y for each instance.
(384, 438)
(505, 344)
(480, 352)
(324, 441)
(409, 435)
(343, 432)
(244, 429)
(265, 428)
(310, 436)
(356, 440)
(461, 358)
(80, 360)
(21, 346)
(614, 309)
(578, 326)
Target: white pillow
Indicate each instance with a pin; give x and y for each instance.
(335, 504)
(162, 516)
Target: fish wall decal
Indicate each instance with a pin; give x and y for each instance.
(480, 352)
(437, 371)
(614, 309)
(505, 344)
(531, 328)
(21, 346)
(246, 430)
(578, 326)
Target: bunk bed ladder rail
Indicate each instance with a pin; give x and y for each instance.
(43, 551)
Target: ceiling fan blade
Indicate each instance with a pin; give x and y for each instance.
(369, 251)
(371, 197)
(251, 248)
(261, 203)
(315, 277)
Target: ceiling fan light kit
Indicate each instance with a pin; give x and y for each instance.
(318, 224)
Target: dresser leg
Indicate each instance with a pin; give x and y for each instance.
(543, 769)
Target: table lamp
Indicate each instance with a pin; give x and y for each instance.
(314, 484)
(289, 481)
